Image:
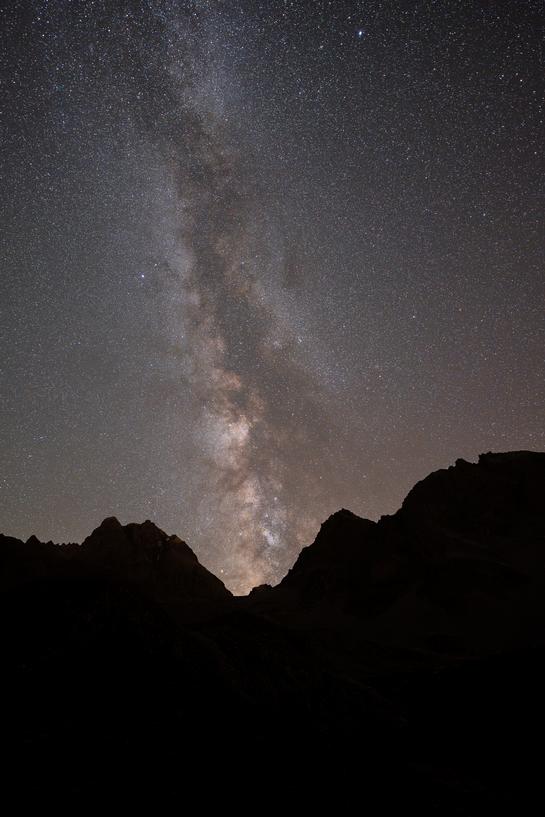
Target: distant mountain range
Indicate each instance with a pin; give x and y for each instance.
(402, 661)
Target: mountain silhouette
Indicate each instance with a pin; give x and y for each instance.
(459, 568)
(404, 658)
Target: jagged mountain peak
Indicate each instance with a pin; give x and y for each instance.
(140, 555)
(463, 547)
(461, 561)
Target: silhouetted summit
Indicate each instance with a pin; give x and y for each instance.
(408, 650)
(139, 556)
(147, 557)
(460, 564)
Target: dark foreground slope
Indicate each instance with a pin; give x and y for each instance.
(401, 663)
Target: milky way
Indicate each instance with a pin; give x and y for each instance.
(261, 261)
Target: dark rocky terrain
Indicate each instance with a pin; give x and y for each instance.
(398, 665)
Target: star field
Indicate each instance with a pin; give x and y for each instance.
(263, 260)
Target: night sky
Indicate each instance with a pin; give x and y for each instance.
(264, 260)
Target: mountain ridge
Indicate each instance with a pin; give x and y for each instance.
(410, 650)
(489, 459)
(466, 538)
